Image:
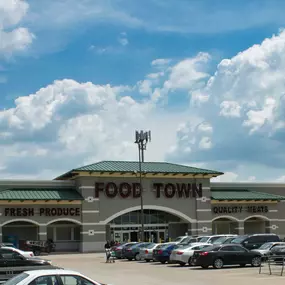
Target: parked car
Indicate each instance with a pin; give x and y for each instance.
(118, 250)
(224, 240)
(125, 247)
(133, 252)
(195, 239)
(162, 254)
(12, 257)
(184, 255)
(186, 240)
(27, 254)
(276, 252)
(256, 240)
(8, 244)
(180, 239)
(56, 276)
(229, 254)
(213, 238)
(267, 247)
(146, 253)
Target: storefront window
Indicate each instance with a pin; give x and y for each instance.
(63, 234)
(77, 233)
(150, 217)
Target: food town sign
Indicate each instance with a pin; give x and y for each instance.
(169, 190)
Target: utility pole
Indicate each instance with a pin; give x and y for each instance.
(141, 139)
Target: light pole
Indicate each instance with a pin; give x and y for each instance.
(141, 139)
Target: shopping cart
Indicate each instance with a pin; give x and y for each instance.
(110, 256)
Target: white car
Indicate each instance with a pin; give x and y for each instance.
(27, 254)
(51, 277)
(183, 255)
(146, 252)
(212, 238)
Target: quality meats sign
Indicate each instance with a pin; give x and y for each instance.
(133, 190)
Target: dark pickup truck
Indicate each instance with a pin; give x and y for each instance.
(13, 263)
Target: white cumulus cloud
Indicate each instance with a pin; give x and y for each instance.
(13, 38)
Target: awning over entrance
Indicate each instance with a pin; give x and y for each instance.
(56, 194)
(243, 195)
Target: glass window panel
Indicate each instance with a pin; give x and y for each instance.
(134, 218)
(77, 233)
(50, 232)
(63, 234)
(126, 218)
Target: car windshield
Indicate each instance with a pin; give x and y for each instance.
(184, 246)
(266, 245)
(211, 248)
(166, 245)
(178, 239)
(151, 245)
(239, 239)
(204, 239)
(220, 240)
(17, 279)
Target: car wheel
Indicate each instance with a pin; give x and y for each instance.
(218, 263)
(137, 257)
(256, 261)
(130, 259)
(204, 266)
(147, 260)
(37, 252)
(163, 262)
(182, 264)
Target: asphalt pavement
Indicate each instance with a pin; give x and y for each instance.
(141, 273)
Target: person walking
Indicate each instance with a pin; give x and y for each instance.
(107, 250)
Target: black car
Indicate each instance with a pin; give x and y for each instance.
(255, 241)
(13, 263)
(11, 258)
(225, 254)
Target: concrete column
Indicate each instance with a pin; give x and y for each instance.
(93, 238)
(42, 232)
(240, 228)
(203, 225)
(268, 227)
(1, 237)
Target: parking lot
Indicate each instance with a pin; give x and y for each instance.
(130, 272)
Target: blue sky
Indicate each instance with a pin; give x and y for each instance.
(220, 68)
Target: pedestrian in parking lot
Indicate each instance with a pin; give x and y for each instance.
(107, 250)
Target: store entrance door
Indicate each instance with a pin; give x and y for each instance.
(161, 236)
(134, 236)
(125, 236)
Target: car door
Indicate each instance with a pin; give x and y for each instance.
(241, 255)
(227, 254)
(8, 257)
(254, 242)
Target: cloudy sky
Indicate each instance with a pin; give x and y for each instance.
(77, 78)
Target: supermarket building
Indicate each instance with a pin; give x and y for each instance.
(86, 206)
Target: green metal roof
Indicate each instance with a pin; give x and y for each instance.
(40, 194)
(243, 194)
(149, 167)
